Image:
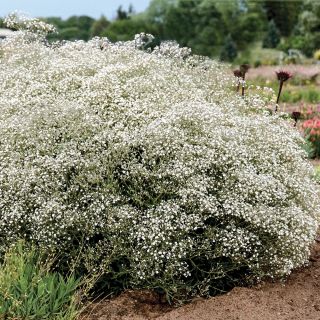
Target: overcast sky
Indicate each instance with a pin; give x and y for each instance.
(67, 8)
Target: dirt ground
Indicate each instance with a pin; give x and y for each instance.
(296, 299)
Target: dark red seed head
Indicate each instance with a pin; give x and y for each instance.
(296, 115)
(283, 75)
(237, 73)
(244, 69)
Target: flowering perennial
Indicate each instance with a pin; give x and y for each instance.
(311, 129)
(19, 21)
(150, 163)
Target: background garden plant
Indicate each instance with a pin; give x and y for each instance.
(150, 162)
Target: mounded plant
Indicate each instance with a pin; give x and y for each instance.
(151, 163)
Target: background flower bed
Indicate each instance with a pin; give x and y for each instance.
(148, 167)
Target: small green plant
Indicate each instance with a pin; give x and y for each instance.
(317, 174)
(29, 290)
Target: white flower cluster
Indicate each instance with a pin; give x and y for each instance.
(150, 158)
(143, 40)
(20, 21)
(172, 49)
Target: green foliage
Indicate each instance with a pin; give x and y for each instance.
(72, 33)
(99, 26)
(272, 38)
(317, 173)
(295, 94)
(126, 29)
(311, 152)
(249, 28)
(306, 35)
(256, 55)
(29, 290)
(229, 50)
(75, 27)
(202, 25)
(283, 13)
(122, 14)
(195, 24)
(307, 43)
(298, 90)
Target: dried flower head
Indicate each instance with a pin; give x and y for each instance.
(244, 69)
(283, 75)
(237, 73)
(296, 115)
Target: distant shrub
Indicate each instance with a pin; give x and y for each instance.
(313, 96)
(272, 37)
(257, 63)
(152, 164)
(229, 50)
(316, 55)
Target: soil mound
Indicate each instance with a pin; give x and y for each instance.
(296, 299)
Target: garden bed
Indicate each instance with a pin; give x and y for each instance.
(297, 298)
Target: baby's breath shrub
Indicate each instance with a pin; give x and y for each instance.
(151, 164)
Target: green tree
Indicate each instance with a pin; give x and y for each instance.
(158, 9)
(99, 26)
(196, 24)
(249, 28)
(283, 13)
(71, 33)
(82, 23)
(229, 50)
(122, 14)
(156, 14)
(306, 34)
(124, 30)
(56, 21)
(73, 28)
(272, 38)
(309, 18)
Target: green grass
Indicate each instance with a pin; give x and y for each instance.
(308, 94)
(255, 55)
(317, 173)
(291, 93)
(29, 290)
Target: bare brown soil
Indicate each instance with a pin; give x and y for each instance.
(298, 298)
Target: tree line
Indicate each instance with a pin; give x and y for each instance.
(210, 27)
